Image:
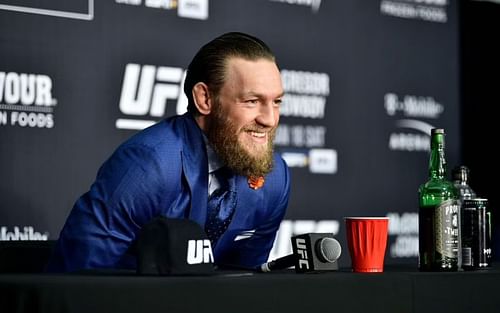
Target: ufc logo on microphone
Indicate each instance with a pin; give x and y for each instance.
(146, 89)
(302, 253)
(199, 251)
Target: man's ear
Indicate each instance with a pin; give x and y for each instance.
(202, 98)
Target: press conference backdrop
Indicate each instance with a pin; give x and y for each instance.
(365, 81)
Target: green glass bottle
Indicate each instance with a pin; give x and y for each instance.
(439, 213)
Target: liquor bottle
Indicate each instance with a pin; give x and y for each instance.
(439, 213)
(460, 176)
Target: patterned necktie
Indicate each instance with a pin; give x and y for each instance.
(220, 208)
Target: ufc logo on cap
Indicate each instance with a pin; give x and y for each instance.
(199, 251)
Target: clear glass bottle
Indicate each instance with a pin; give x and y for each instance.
(460, 176)
(439, 213)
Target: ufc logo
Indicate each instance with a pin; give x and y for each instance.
(147, 90)
(302, 253)
(199, 251)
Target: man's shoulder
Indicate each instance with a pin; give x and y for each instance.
(278, 179)
(169, 133)
(280, 167)
(162, 144)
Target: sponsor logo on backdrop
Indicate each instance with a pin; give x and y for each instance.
(18, 233)
(304, 144)
(75, 9)
(146, 92)
(404, 227)
(313, 4)
(426, 10)
(288, 228)
(412, 134)
(26, 100)
(194, 9)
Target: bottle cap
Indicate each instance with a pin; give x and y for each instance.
(437, 131)
(460, 173)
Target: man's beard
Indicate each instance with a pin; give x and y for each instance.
(223, 136)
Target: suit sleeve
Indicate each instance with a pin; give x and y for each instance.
(128, 192)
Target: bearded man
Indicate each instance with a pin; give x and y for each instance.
(173, 168)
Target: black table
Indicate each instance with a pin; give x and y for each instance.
(398, 289)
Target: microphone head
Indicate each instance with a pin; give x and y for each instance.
(316, 252)
(328, 249)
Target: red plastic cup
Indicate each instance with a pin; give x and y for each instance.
(367, 241)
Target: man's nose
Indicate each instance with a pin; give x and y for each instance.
(268, 115)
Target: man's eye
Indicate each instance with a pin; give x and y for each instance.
(252, 101)
(277, 102)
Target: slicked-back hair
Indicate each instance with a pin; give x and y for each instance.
(209, 63)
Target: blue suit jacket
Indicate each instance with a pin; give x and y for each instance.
(163, 170)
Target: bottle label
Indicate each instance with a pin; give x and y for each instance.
(446, 221)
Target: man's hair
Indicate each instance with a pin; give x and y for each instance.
(209, 64)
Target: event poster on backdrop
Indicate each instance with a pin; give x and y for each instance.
(364, 82)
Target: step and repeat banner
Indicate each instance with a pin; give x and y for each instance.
(365, 81)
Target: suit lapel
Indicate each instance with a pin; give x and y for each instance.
(248, 201)
(195, 168)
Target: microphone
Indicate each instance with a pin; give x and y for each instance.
(311, 252)
(279, 264)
